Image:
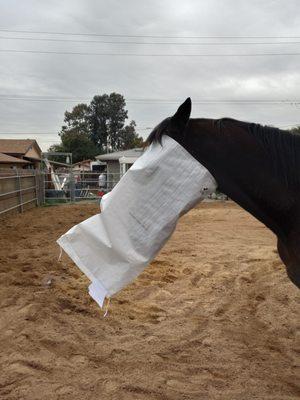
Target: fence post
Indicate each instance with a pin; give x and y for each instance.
(39, 181)
(37, 187)
(72, 187)
(20, 190)
(43, 184)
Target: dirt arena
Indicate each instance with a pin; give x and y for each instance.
(213, 317)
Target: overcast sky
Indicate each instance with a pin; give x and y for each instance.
(167, 79)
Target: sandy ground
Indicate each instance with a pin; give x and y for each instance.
(213, 317)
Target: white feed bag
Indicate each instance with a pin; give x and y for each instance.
(137, 217)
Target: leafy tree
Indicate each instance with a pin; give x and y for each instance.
(56, 148)
(129, 138)
(75, 134)
(107, 117)
(79, 144)
(97, 128)
(295, 130)
(77, 119)
(76, 143)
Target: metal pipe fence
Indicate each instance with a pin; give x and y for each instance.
(77, 186)
(24, 189)
(19, 190)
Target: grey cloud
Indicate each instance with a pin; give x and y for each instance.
(148, 77)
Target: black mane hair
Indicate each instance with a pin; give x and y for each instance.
(158, 132)
(281, 147)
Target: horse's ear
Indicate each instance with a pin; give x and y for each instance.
(183, 113)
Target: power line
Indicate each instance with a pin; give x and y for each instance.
(215, 101)
(55, 141)
(29, 133)
(146, 55)
(138, 129)
(150, 43)
(52, 133)
(149, 36)
(14, 97)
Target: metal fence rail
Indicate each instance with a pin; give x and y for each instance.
(19, 190)
(24, 189)
(76, 186)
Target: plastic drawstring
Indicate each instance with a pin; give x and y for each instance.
(60, 255)
(106, 308)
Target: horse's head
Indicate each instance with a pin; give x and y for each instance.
(253, 164)
(195, 135)
(245, 159)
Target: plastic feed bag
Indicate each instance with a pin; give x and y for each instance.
(137, 217)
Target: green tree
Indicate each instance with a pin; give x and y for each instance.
(75, 134)
(56, 148)
(79, 144)
(107, 117)
(97, 128)
(296, 130)
(77, 119)
(129, 138)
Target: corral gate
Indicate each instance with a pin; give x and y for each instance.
(70, 186)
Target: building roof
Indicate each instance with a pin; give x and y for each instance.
(6, 159)
(83, 162)
(17, 146)
(132, 153)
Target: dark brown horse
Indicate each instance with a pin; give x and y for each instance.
(256, 166)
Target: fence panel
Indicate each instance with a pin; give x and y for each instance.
(76, 186)
(24, 189)
(19, 190)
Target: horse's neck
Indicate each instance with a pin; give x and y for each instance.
(247, 176)
(260, 208)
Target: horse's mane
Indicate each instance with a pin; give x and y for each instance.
(281, 147)
(158, 132)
